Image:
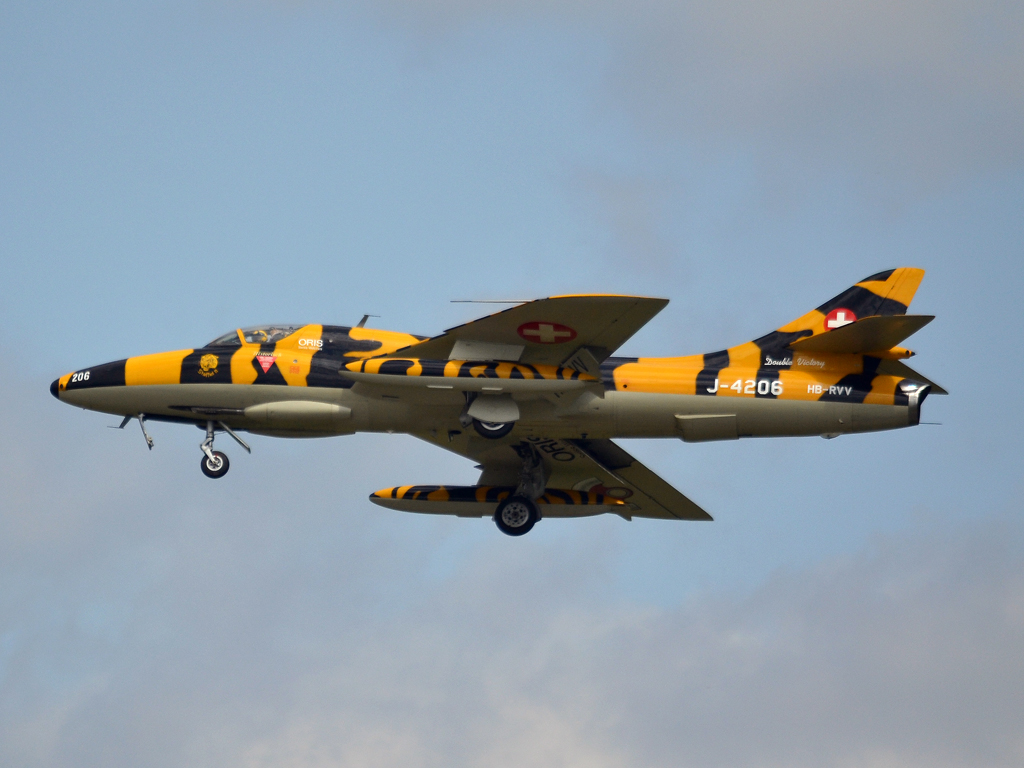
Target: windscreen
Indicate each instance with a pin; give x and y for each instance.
(263, 334)
(227, 340)
(268, 334)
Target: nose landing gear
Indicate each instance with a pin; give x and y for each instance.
(215, 463)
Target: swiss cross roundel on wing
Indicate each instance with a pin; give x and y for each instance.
(837, 318)
(540, 332)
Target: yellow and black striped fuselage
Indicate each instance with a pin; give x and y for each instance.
(327, 380)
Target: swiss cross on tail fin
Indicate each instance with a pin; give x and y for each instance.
(884, 294)
(869, 318)
(837, 318)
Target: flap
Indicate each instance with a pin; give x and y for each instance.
(549, 331)
(869, 334)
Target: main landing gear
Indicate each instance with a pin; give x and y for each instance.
(492, 430)
(215, 463)
(518, 513)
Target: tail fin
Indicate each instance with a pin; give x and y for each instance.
(875, 309)
(887, 293)
(873, 314)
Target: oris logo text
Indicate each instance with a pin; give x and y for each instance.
(311, 343)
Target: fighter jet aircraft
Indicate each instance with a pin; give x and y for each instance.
(533, 395)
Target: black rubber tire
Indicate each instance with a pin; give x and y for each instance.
(219, 471)
(492, 430)
(516, 515)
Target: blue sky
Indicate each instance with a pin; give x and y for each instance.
(171, 171)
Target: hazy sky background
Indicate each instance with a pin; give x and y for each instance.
(172, 171)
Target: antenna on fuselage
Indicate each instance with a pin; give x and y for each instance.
(362, 322)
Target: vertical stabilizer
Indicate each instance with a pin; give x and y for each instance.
(886, 293)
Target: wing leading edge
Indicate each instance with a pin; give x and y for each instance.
(580, 331)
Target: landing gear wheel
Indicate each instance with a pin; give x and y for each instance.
(217, 467)
(516, 515)
(493, 430)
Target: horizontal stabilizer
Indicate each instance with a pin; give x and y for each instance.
(481, 500)
(869, 334)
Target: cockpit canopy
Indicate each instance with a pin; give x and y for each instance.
(262, 334)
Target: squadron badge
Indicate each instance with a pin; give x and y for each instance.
(208, 365)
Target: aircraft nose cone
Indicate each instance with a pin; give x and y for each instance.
(55, 388)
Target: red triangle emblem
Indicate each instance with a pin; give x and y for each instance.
(266, 361)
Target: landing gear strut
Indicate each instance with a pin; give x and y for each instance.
(518, 513)
(215, 463)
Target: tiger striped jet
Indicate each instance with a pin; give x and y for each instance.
(533, 395)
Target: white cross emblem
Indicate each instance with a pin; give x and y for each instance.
(840, 320)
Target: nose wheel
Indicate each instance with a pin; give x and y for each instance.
(518, 513)
(215, 465)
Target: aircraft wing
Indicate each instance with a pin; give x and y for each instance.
(599, 466)
(618, 472)
(574, 331)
